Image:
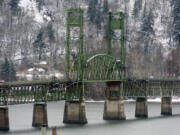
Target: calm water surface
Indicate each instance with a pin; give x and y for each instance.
(21, 119)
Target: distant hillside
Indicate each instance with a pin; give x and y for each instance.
(32, 31)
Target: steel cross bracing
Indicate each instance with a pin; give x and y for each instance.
(74, 20)
(104, 67)
(83, 67)
(45, 91)
(22, 93)
(151, 88)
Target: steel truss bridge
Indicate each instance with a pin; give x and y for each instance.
(22, 93)
(87, 68)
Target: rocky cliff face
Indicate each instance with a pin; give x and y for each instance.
(149, 32)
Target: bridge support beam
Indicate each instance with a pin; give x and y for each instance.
(141, 107)
(74, 112)
(4, 118)
(166, 106)
(40, 115)
(114, 107)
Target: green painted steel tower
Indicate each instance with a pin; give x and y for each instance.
(74, 67)
(116, 22)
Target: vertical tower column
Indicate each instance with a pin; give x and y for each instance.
(4, 118)
(114, 107)
(74, 111)
(40, 115)
(166, 105)
(141, 107)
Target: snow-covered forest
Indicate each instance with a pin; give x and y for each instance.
(33, 36)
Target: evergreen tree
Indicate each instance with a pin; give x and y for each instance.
(159, 63)
(12, 72)
(92, 10)
(98, 18)
(50, 32)
(39, 44)
(176, 14)
(1, 2)
(137, 7)
(105, 7)
(14, 6)
(51, 38)
(40, 3)
(94, 13)
(5, 67)
(105, 16)
(173, 63)
(8, 72)
(147, 22)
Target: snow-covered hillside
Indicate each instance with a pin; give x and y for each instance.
(147, 52)
(30, 7)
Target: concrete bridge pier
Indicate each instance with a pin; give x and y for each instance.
(74, 112)
(166, 106)
(114, 106)
(40, 115)
(4, 118)
(141, 107)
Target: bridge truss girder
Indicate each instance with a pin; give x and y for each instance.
(22, 93)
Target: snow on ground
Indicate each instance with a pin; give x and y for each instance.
(93, 101)
(56, 74)
(38, 69)
(30, 76)
(41, 70)
(43, 62)
(18, 55)
(30, 69)
(151, 100)
(30, 7)
(131, 6)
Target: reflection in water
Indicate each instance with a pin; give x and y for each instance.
(21, 118)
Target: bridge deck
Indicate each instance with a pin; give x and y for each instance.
(43, 91)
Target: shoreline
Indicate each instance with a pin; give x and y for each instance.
(150, 100)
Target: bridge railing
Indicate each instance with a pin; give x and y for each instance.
(151, 88)
(22, 93)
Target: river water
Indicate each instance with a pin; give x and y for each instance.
(21, 119)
